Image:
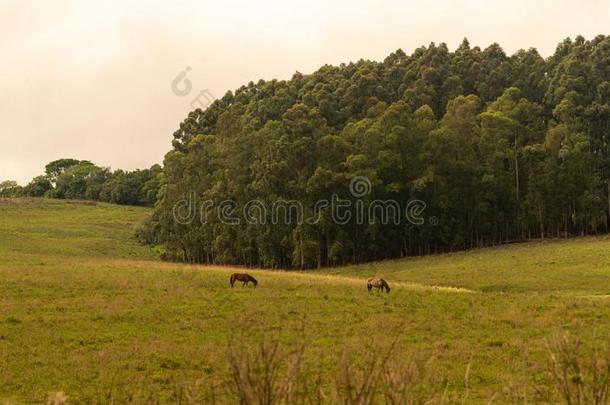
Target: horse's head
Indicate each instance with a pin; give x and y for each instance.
(254, 281)
(387, 287)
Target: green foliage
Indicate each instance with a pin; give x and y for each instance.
(38, 187)
(10, 188)
(500, 148)
(57, 167)
(72, 182)
(82, 180)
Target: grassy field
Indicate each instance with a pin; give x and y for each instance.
(86, 311)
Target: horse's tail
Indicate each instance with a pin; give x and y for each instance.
(232, 280)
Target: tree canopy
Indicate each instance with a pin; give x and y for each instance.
(499, 148)
(82, 180)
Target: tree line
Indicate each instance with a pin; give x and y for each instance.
(500, 148)
(82, 180)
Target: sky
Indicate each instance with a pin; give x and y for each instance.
(110, 81)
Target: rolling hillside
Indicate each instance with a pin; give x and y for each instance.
(86, 311)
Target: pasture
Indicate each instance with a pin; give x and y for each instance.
(86, 311)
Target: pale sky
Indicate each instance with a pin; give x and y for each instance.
(93, 79)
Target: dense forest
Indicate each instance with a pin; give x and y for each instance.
(500, 148)
(82, 180)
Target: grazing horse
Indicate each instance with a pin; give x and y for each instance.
(245, 277)
(378, 283)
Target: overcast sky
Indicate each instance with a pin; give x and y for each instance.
(93, 79)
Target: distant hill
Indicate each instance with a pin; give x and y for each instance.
(70, 228)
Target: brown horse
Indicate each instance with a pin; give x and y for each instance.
(244, 277)
(378, 283)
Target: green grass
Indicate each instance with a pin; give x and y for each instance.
(70, 228)
(575, 266)
(85, 310)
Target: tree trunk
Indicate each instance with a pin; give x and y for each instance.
(301, 254)
(608, 220)
(516, 170)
